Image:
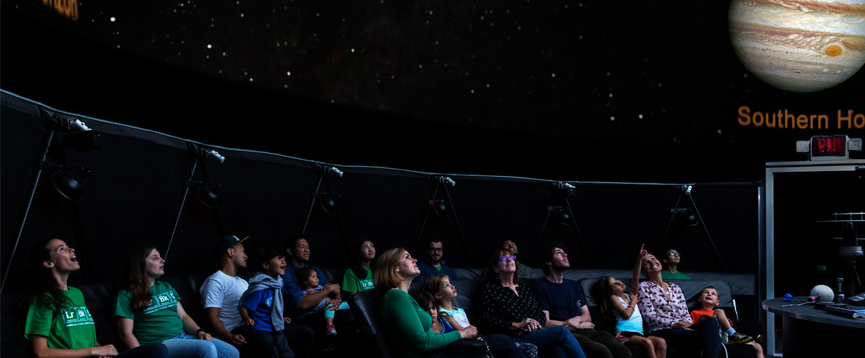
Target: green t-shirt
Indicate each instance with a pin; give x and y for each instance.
(350, 282)
(70, 327)
(407, 326)
(157, 322)
(666, 275)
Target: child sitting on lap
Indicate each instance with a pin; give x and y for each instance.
(308, 280)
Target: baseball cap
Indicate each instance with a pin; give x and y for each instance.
(227, 242)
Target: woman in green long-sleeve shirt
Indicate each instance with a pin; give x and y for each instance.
(407, 325)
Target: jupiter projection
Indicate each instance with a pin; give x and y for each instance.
(799, 46)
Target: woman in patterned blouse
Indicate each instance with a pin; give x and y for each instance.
(507, 307)
(665, 312)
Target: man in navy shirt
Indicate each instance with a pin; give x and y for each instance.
(433, 264)
(564, 303)
(300, 307)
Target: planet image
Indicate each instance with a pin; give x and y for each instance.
(799, 46)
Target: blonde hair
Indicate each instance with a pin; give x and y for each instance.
(386, 277)
(433, 285)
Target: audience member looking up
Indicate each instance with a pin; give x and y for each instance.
(220, 297)
(708, 300)
(524, 270)
(622, 306)
(149, 311)
(300, 306)
(665, 313)
(58, 323)
(433, 264)
(564, 304)
(671, 259)
(406, 325)
(508, 307)
(444, 293)
(359, 276)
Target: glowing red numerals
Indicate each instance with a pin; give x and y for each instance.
(829, 146)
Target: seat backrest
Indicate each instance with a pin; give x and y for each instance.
(99, 298)
(194, 283)
(13, 343)
(366, 308)
(191, 304)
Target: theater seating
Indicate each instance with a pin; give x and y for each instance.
(100, 301)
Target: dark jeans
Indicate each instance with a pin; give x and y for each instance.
(262, 344)
(299, 339)
(501, 346)
(555, 342)
(343, 321)
(600, 344)
(153, 350)
(703, 336)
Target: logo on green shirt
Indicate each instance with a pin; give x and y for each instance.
(76, 316)
(161, 301)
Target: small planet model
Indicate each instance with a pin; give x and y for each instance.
(799, 46)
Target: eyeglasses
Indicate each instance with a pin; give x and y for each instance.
(435, 249)
(505, 258)
(674, 254)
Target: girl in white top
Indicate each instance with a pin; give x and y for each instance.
(623, 306)
(444, 293)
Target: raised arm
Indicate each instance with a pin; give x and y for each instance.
(638, 268)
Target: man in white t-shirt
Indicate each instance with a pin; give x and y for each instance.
(220, 294)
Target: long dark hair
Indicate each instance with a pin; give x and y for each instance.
(43, 287)
(604, 287)
(357, 268)
(135, 279)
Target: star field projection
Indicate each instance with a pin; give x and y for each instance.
(649, 71)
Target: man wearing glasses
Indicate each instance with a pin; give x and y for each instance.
(564, 304)
(433, 264)
(671, 260)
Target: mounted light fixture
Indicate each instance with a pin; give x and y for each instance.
(209, 194)
(562, 214)
(72, 133)
(689, 215)
(441, 207)
(559, 206)
(67, 181)
(328, 202)
(208, 191)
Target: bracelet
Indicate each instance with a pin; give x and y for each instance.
(199, 330)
